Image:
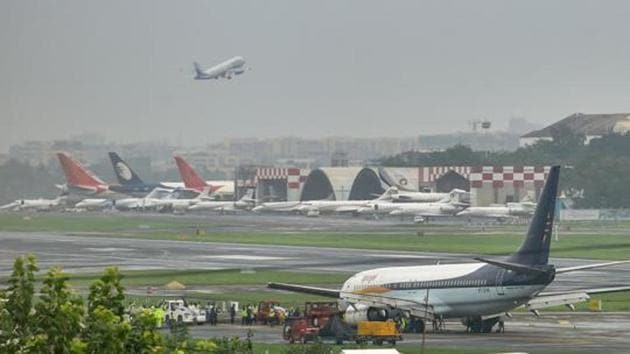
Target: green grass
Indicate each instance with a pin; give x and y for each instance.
(595, 240)
(201, 277)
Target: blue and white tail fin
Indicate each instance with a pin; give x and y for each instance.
(535, 248)
(124, 173)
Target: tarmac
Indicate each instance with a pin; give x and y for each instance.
(552, 332)
(569, 332)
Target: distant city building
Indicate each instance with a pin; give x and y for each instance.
(592, 126)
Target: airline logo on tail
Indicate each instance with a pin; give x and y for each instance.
(79, 177)
(124, 173)
(191, 179)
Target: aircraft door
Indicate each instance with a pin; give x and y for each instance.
(499, 282)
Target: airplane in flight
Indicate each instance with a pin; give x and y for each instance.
(227, 69)
(478, 293)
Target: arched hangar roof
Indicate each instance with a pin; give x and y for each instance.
(342, 183)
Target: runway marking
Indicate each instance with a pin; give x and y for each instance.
(402, 256)
(108, 249)
(245, 257)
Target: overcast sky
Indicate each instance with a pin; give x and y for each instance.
(319, 68)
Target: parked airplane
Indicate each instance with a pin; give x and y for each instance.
(36, 204)
(192, 180)
(423, 211)
(226, 69)
(94, 204)
(475, 292)
(277, 207)
(224, 206)
(509, 211)
(315, 207)
(130, 182)
(80, 180)
(424, 197)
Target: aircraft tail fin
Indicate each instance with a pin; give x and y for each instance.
(535, 248)
(198, 69)
(124, 173)
(389, 192)
(190, 178)
(76, 174)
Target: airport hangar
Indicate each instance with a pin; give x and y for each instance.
(487, 184)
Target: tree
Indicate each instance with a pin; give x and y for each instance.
(16, 323)
(108, 292)
(58, 315)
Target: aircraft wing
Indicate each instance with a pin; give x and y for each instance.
(312, 290)
(568, 298)
(589, 266)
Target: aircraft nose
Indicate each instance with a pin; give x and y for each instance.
(257, 209)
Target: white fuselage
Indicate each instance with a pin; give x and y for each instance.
(419, 197)
(496, 212)
(331, 206)
(453, 292)
(425, 209)
(233, 66)
(276, 207)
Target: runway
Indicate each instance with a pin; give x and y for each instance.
(77, 253)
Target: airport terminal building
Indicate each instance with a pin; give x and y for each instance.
(487, 184)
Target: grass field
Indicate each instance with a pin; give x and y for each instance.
(584, 240)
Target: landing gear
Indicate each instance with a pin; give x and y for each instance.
(479, 325)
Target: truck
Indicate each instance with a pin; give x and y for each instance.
(180, 311)
(270, 312)
(323, 320)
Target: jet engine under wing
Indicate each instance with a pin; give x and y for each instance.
(416, 309)
(558, 298)
(313, 290)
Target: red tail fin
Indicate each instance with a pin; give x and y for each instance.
(77, 174)
(189, 176)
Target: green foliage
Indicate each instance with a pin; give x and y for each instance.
(58, 314)
(16, 323)
(144, 336)
(105, 332)
(315, 348)
(108, 292)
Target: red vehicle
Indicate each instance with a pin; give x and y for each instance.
(315, 322)
(270, 312)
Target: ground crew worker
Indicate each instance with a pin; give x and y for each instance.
(243, 316)
(232, 313)
(159, 316)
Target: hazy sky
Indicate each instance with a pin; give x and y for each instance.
(319, 68)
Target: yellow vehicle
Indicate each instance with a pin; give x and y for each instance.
(378, 332)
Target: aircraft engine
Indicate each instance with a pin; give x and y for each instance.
(360, 312)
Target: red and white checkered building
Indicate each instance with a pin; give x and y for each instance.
(292, 178)
(491, 184)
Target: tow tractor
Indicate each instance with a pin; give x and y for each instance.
(323, 320)
(178, 310)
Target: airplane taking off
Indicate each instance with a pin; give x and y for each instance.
(478, 293)
(130, 182)
(79, 179)
(226, 69)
